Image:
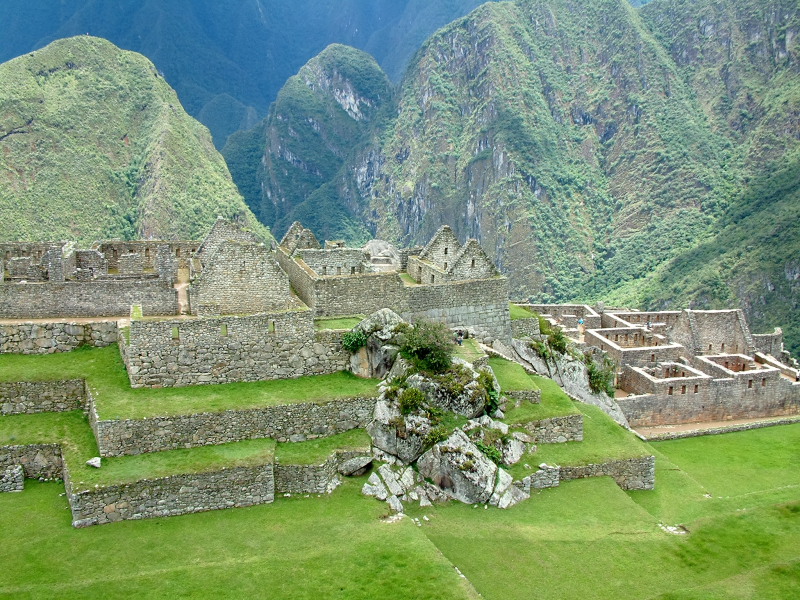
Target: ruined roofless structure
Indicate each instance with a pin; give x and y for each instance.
(231, 308)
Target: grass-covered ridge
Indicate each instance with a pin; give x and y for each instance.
(115, 399)
(116, 154)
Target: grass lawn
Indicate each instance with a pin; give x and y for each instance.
(469, 350)
(338, 322)
(555, 403)
(603, 440)
(70, 429)
(125, 469)
(518, 312)
(316, 452)
(105, 372)
(511, 375)
(408, 279)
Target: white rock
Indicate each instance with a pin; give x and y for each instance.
(94, 462)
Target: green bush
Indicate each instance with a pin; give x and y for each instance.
(428, 345)
(492, 453)
(492, 394)
(601, 376)
(438, 434)
(353, 340)
(557, 341)
(411, 400)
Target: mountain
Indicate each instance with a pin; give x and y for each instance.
(598, 151)
(320, 118)
(94, 144)
(227, 60)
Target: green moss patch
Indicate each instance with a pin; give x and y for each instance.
(315, 452)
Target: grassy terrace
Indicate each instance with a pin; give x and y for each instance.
(338, 322)
(105, 373)
(511, 375)
(519, 312)
(470, 351)
(603, 440)
(315, 452)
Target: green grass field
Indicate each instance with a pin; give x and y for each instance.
(338, 322)
(584, 539)
(519, 312)
(105, 372)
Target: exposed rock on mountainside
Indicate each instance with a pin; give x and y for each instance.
(296, 154)
(94, 144)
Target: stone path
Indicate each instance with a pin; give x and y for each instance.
(688, 429)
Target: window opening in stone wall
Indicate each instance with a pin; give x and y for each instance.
(445, 250)
(710, 347)
(147, 252)
(445, 266)
(175, 333)
(683, 389)
(722, 347)
(696, 388)
(177, 252)
(272, 326)
(669, 391)
(223, 330)
(352, 270)
(749, 384)
(338, 270)
(652, 358)
(324, 270)
(433, 278)
(473, 263)
(763, 383)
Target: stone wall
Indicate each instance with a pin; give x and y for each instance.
(749, 396)
(284, 423)
(557, 430)
(712, 331)
(98, 298)
(333, 261)
(674, 435)
(175, 495)
(520, 396)
(302, 278)
(769, 343)
(45, 338)
(312, 479)
(479, 305)
(29, 397)
(239, 278)
(521, 328)
(12, 479)
(630, 473)
(39, 461)
(365, 294)
(277, 345)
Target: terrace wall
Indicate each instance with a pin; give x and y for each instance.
(29, 397)
(629, 473)
(312, 479)
(557, 430)
(45, 338)
(284, 423)
(39, 461)
(97, 298)
(174, 495)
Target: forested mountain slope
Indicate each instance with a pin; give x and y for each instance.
(227, 60)
(594, 148)
(94, 144)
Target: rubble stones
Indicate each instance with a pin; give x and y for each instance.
(12, 479)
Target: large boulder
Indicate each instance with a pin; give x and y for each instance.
(401, 436)
(378, 356)
(457, 391)
(459, 469)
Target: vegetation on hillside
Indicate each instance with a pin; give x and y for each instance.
(94, 144)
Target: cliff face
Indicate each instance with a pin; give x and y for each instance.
(94, 144)
(321, 116)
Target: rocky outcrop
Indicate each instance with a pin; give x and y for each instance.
(464, 473)
(376, 358)
(402, 437)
